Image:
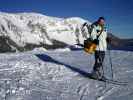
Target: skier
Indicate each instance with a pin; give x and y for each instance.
(99, 35)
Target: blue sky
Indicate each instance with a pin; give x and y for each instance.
(118, 13)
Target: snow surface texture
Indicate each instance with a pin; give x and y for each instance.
(56, 75)
(37, 29)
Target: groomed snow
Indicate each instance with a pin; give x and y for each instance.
(56, 75)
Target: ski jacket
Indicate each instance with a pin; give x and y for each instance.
(96, 29)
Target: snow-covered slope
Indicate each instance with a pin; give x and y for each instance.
(39, 30)
(39, 75)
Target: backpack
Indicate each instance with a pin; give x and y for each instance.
(90, 44)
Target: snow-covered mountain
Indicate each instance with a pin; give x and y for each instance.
(25, 31)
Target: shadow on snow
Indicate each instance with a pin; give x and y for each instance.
(47, 58)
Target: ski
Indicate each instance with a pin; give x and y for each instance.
(113, 81)
(106, 80)
(110, 81)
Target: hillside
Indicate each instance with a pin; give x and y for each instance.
(26, 31)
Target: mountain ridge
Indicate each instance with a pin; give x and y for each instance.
(26, 31)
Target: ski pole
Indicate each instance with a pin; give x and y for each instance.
(111, 65)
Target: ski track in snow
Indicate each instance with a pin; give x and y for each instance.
(52, 75)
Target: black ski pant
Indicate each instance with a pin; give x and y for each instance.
(99, 58)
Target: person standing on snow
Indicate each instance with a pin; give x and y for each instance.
(99, 34)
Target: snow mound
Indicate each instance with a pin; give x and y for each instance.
(63, 50)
